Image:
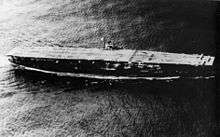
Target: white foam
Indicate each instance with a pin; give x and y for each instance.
(4, 61)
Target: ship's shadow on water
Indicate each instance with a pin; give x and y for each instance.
(80, 106)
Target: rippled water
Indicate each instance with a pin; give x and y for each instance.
(35, 104)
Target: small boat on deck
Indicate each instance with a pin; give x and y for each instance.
(111, 64)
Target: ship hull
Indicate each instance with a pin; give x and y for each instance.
(117, 64)
(101, 69)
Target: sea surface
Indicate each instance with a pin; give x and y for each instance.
(42, 105)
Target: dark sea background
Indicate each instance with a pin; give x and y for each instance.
(35, 104)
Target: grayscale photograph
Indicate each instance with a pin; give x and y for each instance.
(108, 68)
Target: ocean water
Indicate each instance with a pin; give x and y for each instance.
(37, 104)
